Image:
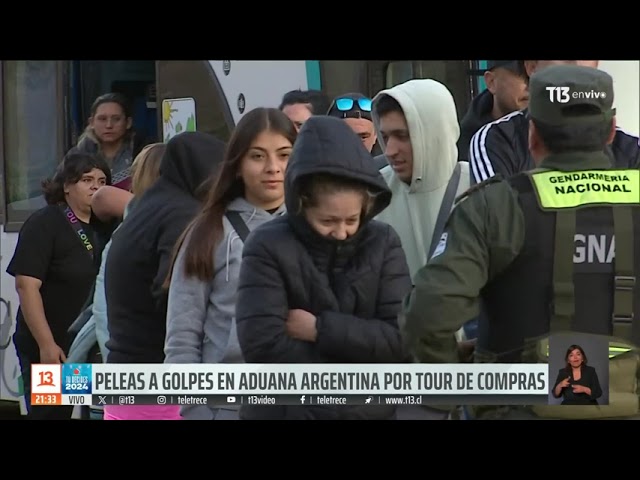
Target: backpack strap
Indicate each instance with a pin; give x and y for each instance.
(625, 278)
(73, 221)
(563, 288)
(445, 208)
(478, 186)
(238, 224)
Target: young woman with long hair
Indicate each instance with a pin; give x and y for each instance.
(249, 191)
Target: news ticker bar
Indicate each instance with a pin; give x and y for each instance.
(440, 380)
(307, 399)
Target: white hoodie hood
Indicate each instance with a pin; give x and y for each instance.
(432, 120)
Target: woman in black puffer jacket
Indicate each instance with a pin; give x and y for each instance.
(324, 283)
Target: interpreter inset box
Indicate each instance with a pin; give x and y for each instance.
(578, 369)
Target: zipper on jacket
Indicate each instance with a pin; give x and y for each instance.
(335, 250)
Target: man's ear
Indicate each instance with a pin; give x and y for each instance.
(490, 80)
(530, 66)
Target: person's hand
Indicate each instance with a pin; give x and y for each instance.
(301, 325)
(466, 350)
(580, 389)
(52, 354)
(565, 383)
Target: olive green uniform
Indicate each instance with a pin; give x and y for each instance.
(484, 235)
(515, 240)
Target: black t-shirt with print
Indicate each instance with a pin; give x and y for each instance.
(50, 250)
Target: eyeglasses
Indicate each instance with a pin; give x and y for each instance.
(347, 104)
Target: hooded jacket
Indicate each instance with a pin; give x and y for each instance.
(502, 147)
(478, 115)
(430, 112)
(142, 249)
(201, 323)
(354, 287)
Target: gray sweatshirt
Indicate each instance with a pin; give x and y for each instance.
(201, 326)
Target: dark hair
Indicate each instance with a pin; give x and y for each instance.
(316, 184)
(571, 349)
(515, 66)
(319, 101)
(207, 229)
(71, 170)
(575, 137)
(112, 98)
(387, 104)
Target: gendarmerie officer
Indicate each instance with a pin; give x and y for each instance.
(547, 250)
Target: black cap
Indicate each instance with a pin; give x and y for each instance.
(508, 64)
(568, 94)
(515, 66)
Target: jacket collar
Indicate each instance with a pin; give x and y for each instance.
(573, 161)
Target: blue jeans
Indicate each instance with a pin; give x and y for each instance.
(84, 341)
(90, 334)
(471, 329)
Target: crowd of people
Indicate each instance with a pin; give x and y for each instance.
(354, 230)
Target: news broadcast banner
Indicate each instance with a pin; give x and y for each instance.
(289, 384)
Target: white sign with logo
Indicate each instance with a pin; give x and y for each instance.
(178, 115)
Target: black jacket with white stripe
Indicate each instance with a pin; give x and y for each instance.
(502, 147)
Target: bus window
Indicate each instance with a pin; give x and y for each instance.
(454, 74)
(398, 72)
(341, 76)
(32, 137)
(481, 85)
(195, 79)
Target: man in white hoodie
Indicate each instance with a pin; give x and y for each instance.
(418, 129)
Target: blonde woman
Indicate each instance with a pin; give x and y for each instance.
(140, 256)
(107, 203)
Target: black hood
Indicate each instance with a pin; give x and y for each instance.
(478, 115)
(479, 112)
(189, 160)
(328, 145)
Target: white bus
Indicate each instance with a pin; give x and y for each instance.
(44, 107)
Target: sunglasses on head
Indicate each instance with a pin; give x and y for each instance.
(347, 104)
